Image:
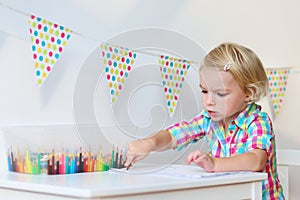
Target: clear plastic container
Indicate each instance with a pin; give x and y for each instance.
(54, 149)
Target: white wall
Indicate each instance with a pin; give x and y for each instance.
(270, 28)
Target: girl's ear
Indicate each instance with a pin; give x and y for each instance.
(248, 98)
(250, 94)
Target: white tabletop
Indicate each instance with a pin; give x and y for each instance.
(121, 182)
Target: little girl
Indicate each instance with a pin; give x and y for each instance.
(239, 134)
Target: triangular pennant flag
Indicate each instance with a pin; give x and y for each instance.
(118, 63)
(277, 86)
(48, 41)
(173, 72)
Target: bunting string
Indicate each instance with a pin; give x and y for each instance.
(49, 39)
(93, 39)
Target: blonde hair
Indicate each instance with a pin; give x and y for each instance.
(243, 64)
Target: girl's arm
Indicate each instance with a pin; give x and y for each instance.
(254, 160)
(139, 149)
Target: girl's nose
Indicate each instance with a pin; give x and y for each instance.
(210, 100)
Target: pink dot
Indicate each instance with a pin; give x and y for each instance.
(32, 16)
(162, 56)
(48, 68)
(60, 49)
(103, 53)
(63, 35)
(128, 67)
(37, 41)
(167, 63)
(55, 25)
(121, 73)
(39, 26)
(176, 98)
(52, 39)
(30, 31)
(110, 49)
(109, 63)
(166, 89)
(107, 76)
(123, 59)
(120, 87)
(50, 53)
(166, 76)
(34, 56)
(130, 54)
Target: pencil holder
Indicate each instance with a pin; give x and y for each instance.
(55, 149)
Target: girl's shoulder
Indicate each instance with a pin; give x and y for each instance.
(253, 116)
(255, 112)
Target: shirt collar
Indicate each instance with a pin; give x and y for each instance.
(241, 119)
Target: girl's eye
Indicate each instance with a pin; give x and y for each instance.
(222, 94)
(204, 91)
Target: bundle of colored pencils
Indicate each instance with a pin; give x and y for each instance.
(56, 163)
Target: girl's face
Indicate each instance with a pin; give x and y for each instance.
(222, 97)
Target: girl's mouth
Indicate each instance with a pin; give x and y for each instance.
(212, 113)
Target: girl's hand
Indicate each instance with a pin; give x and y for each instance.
(201, 159)
(137, 150)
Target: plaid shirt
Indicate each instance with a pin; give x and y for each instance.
(251, 129)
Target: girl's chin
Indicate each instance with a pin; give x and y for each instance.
(216, 118)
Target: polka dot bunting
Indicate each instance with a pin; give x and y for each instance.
(277, 86)
(48, 40)
(173, 72)
(118, 63)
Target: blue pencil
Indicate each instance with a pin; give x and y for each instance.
(8, 162)
(67, 162)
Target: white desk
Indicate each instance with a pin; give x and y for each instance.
(189, 182)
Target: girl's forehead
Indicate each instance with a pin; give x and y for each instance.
(216, 79)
